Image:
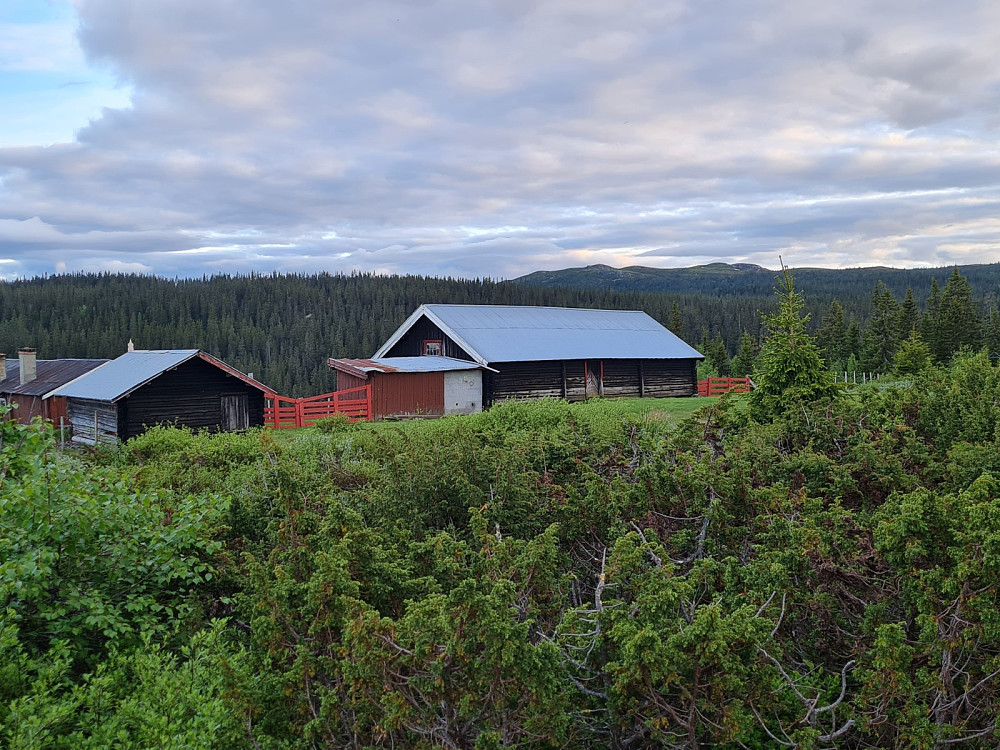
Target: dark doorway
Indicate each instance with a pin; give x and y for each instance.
(235, 416)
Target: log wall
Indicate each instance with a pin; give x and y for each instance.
(82, 413)
(190, 395)
(618, 378)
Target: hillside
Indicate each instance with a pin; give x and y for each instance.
(850, 285)
(283, 327)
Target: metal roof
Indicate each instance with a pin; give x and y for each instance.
(361, 367)
(50, 374)
(505, 333)
(120, 377)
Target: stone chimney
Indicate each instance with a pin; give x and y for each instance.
(3, 366)
(28, 368)
(131, 346)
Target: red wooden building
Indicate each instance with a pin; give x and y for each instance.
(414, 386)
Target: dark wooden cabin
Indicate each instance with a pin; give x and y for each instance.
(571, 353)
(24, 383)
(186, 388)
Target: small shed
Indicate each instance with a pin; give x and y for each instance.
(183, 387)
(25, 382)
(414, 386)
(537, 352)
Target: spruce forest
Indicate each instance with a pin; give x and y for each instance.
(815, 564)
(283, 328)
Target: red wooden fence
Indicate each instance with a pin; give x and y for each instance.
(722, 386)
(281, 412)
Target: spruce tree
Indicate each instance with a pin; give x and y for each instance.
(909, 315)
(881, 336)
(790, 369)
(676, 321)
(930, 322)
(742, 365)
(913, 356)
(991, 333)
(832, 336)
(960, 325)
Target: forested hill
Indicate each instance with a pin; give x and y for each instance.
(283, 328)
(852, 286)
(280, 327)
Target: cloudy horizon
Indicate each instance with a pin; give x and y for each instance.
(495, 137)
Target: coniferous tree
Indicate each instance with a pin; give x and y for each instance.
(991, 333)
(676, 321)
(930, 322)
(790, 369)
(881, 336)
(913, 356)
(832, 336)
(959, 320)
(853, 339)
(717, 356)
(742, 365)
(909, 315)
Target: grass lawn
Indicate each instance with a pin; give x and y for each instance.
(602, 415)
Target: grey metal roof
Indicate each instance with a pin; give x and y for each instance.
(121, 376)
(504, 333)
(49, 374)
(403, 364)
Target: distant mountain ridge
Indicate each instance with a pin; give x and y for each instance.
(750, 280)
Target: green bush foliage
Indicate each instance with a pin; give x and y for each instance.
(543, 575)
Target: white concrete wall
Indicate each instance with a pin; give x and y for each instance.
(463, 392)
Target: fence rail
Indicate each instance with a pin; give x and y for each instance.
(722, 386)
(282, 412)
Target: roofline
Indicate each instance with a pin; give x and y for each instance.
(395, 337)
(151, 378)
(424, 311)
(232, 371)
(534, 307)
(49, 394)
(340, 366)
(194, 353)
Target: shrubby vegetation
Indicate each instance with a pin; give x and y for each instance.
(542, 575)
(812, 566)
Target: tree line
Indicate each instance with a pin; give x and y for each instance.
(283, 327)
(897, 336)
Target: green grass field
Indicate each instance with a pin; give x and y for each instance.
(602, 416)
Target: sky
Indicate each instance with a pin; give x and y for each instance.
(492, 138)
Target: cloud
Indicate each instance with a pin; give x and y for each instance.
(495, 138)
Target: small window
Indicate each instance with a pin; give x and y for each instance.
(432, 348)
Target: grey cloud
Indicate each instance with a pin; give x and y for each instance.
(481, 137)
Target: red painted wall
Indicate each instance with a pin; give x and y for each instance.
(407, 393)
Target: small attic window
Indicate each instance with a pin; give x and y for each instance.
(432, 347)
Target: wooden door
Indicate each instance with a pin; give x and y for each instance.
(235, 416)
(593, 379)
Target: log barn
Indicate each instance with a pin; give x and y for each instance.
(24, 383)
(570, 353)
(142, 388)
(414, 386)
